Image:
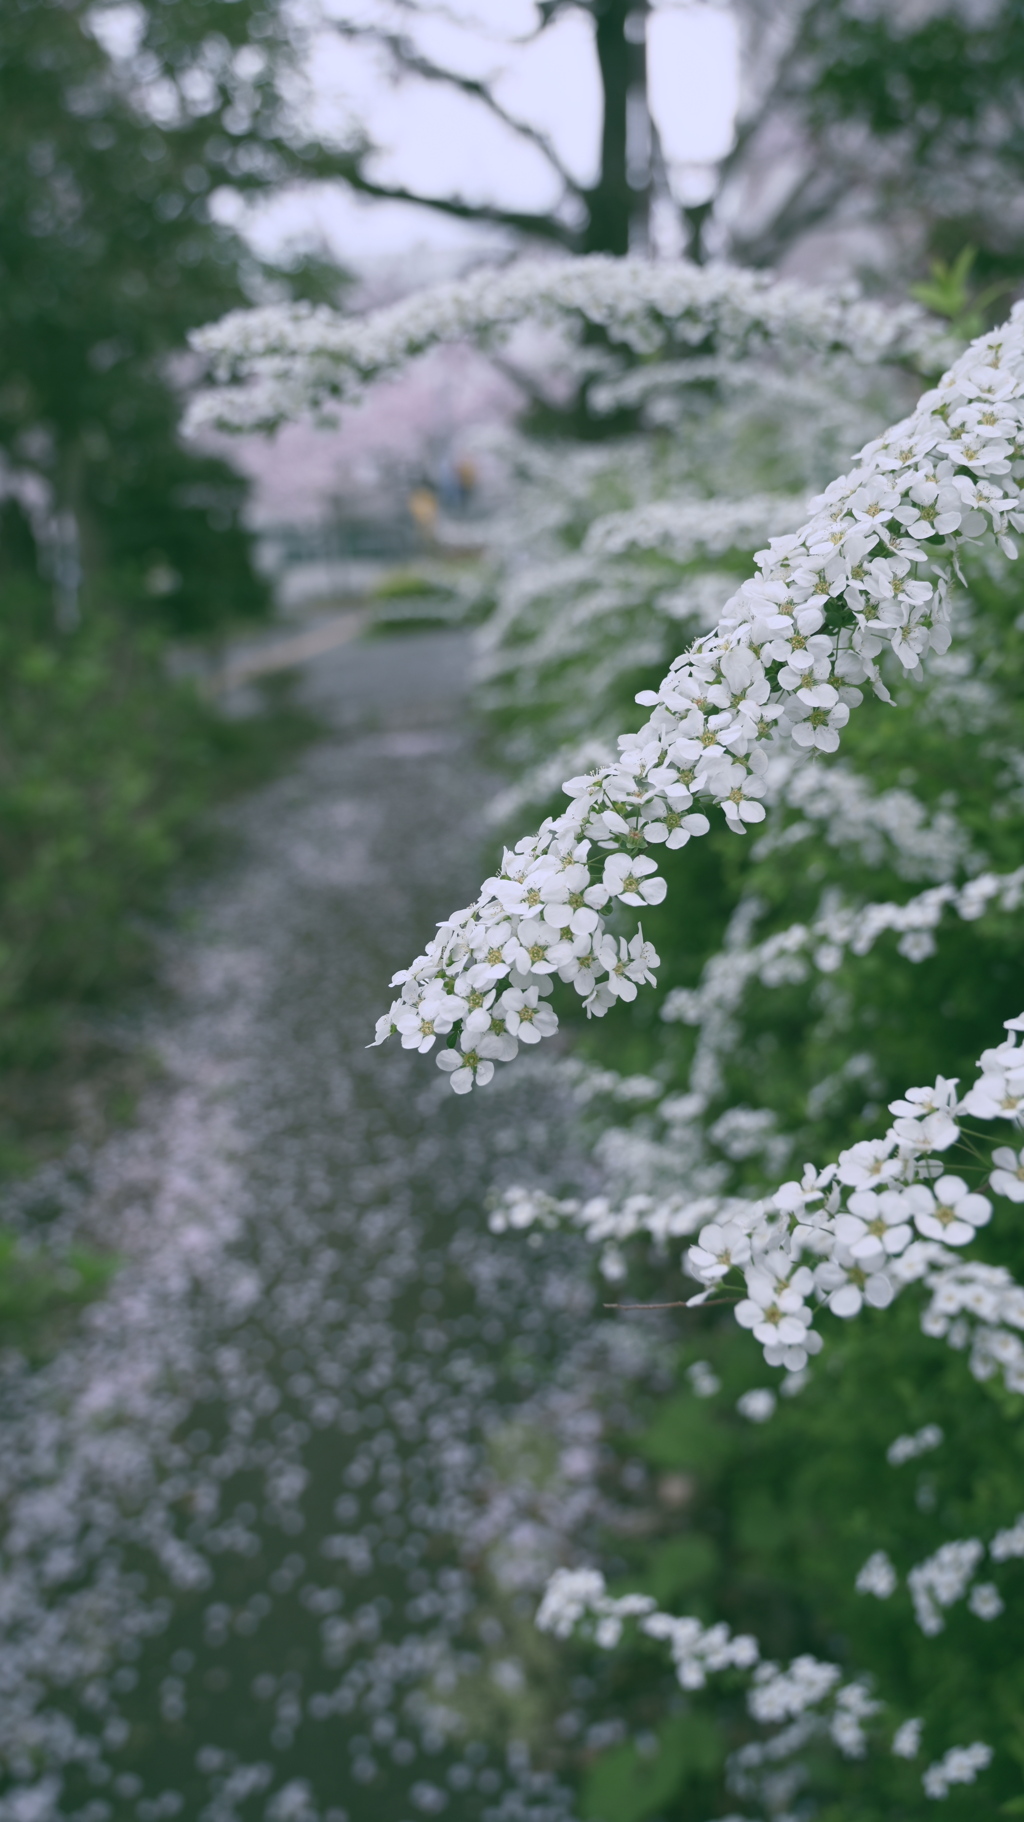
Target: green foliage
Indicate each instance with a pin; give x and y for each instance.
(39, 1295)
(106, 766)
(948, 293)
(636, 1780)
(941, 89)
(109, 254)
(116, 128)
(101, 770)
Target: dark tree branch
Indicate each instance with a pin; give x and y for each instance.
(546, 12)
(414, 63)
(811, 202)
(540, 227)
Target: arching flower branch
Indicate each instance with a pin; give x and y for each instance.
(869, 573)
(274, 364)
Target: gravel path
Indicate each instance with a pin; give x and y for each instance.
(277, 1514)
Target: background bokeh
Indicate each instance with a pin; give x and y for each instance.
(293, 1434)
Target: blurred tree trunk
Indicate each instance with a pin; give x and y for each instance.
(618, 203)
(607, 216)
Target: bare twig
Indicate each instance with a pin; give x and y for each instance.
(683, 1304)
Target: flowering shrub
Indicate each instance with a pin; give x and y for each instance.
(871, 571)
(858, 606)
(886, 1216)
(881, 1218)
(276, 363)
(807, 1692)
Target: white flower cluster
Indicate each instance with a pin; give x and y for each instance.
(600, 1219)
(908, 1448)
(906, 1742)
(658, 387)
(575, 1595)
(877, 1577)
(294, 358)
(888, 826)
(838, 930)
(946, 1577)
(807, 1688)
(942, 1580)
(757, 1405)
(1009, 1543)
(882, 828)
(867, 575)
(960, 1765)
(884, 1216)
(688, 528)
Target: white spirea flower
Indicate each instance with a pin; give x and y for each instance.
(704, 1382)
(579, 1596)
(960, 1765)
(1008, 1177)
(907, 1448)
(1008, 1543)
(781, 1695)
(943, 1579)
(757, 1405)
(877, 1577)
(985, 1601)
(906, 1741)
(804, 1697)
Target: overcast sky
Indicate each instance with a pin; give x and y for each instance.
(435, 140)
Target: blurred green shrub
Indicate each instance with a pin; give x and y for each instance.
(106, 765)
(39, 1294)
(109, 254)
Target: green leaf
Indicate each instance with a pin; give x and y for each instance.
(628, 1783)
(679, 1565)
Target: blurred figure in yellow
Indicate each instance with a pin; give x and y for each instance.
(422, 505)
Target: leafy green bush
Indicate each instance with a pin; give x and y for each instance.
(40, 1294)
(106, 765)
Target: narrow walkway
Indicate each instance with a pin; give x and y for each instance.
(277, 1516)
(247, 660)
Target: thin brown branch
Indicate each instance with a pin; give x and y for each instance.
(683, 1304)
